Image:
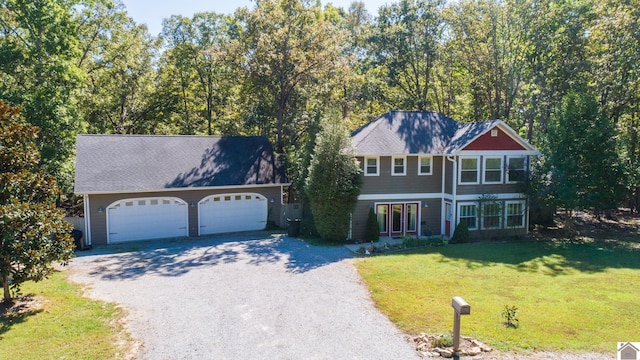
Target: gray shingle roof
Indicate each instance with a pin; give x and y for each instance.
(416, 132)
(118, 163)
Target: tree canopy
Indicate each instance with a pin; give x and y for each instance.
(278, 66)
(33, 233)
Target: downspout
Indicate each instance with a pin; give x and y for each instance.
(87, 220)
(443, 208)
(454, 193)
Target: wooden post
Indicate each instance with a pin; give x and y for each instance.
(460, 307)
(456, 331)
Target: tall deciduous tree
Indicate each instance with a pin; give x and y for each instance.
(200, 59)
(33, 233)
(38, 71)
(334, 181)
(487, 43)
(290, 52)
(120, 94)
(406, 47)
(583, 164)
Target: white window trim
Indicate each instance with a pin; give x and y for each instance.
(377, 159)
(477, 170)
(506, 178)
(404, 165)
(499, 226)
(484, 170)
(460, 205)
(506, 214)
(430, 165)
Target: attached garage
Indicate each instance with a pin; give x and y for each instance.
(142, 187)
(146, 218)
(232, 212)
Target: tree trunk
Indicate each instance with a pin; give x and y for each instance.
(7, 292)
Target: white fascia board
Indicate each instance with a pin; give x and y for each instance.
(505, 196)
(184, 189)
(412, 196)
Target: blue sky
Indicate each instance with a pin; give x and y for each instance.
(151, 12)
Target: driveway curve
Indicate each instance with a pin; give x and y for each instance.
(249, 296)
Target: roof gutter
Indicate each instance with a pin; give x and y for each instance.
(226, 187)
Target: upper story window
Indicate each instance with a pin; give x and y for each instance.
(398, 165)
(492, 170)
(517, 169)
(424, 165)
(468, 170)
(371, 166)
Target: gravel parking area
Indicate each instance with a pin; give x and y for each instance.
(249, 296)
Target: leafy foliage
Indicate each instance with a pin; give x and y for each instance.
(334, 181)
(460, 234)
(34, 233)
(510, 316)
(583, 165)
(39, 73)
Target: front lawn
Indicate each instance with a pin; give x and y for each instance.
(53, 321)
(576, 297)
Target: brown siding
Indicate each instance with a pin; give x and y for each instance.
(99, 221)
(430, 218)
(448, 181)
(385, 183)
(489, 189)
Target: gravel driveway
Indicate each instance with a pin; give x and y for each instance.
(250, 296)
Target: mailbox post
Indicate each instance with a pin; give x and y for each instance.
(460, 307)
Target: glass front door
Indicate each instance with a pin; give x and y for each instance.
(397, 219)
(382, 213)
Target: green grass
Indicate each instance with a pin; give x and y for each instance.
(64, 325)
(570, 297)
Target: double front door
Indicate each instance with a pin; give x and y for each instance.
(397, 219)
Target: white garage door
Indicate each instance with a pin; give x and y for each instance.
(232, 212)
(146, 218)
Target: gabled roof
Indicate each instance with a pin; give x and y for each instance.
(121, 163)
(423, 132)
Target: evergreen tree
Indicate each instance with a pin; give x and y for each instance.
(581, 157)
(373, 228)
(33, 233)
(334, 181)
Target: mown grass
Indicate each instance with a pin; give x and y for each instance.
(61, 324)
(576, 297)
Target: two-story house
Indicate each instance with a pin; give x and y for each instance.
(423, 173)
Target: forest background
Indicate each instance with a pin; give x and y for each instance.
(564, 74)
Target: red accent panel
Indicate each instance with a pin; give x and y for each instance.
(500, 142)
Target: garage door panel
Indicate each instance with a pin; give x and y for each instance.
(149, 218)
(232, 213)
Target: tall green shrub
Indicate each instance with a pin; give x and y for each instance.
(334, 181)
(460, 234)
(373, 228)
(33, 233)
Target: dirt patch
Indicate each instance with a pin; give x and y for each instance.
(621, 227)
(18, 311)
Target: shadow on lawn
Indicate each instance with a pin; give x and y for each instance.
(550, 258)
(178, 257)
(17, 312)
